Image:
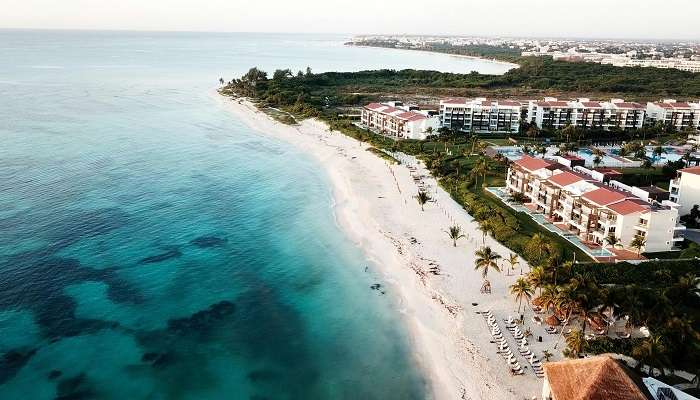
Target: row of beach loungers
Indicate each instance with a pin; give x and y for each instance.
(523, 347)
(505, 350)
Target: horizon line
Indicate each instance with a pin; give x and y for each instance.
(677, 39)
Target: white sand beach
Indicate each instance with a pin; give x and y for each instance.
(375, 206)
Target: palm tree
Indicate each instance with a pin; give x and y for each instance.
(612, 240)
(549, 296)
(423, 197)
(597, 161)
(574, 342)
(651, 352)
(546, 354)
(658, 151)
(521, 289)
(513, 261)
(638, 243)
(485, 259)
(481, 167)
(537, 278)
(455, 233)
(484, 226)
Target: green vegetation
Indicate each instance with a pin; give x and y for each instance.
(543, 73)
(503, 53)
(663, 296)
(383, 155)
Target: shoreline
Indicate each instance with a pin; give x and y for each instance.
(374, 207)
(491, 60)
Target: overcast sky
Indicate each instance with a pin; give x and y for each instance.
(560, 18)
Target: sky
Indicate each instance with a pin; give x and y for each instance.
(650, 19)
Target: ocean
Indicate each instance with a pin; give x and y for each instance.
(154, 247)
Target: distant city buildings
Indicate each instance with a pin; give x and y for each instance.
(399, 121)
(681, 55)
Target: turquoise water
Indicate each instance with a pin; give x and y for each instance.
(154, 247)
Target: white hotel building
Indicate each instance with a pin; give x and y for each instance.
(586, 114)
(680, 115)
(481, 115)
(399, 121)
(576, 202)
(685, 189)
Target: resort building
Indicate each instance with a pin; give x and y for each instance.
(481, 115)
(685, 189)
(594, 378)
(679, 115)
(586, 114)
(579, 203)
(399, 121)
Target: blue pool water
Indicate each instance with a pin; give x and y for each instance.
(154, 247)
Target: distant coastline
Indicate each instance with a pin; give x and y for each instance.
(491, 60)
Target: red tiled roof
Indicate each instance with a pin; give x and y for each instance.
(455, 100)
(608, 171)
(531, 163)
(680, 105)
(663, 105)
(591, 104)
(630, 105)
(410, 116)
(509, 103)
(374, 106)
(552, 104)
(603, 196)
(691, 170)
(627, 207)
(565, 178)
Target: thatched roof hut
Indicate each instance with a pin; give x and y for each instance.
(595, 378)
(552, 320)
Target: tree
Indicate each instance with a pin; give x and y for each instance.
(538, 249)
(597, 161)
(484, 226)
(612, 240)
(521, 289)
(423, 197)
(574, 342)
(455, 233)
(653, 353)
(546, 354)
(486, 259)
(481, 167)
(221, 81)
(549, 296)
(638, 243)
(513, 261)
(537, 278)
(658, 151)
(281, 74)
(308, 71)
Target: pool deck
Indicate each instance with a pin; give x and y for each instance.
(595, 251)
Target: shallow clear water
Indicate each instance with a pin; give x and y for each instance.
(153, 247)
